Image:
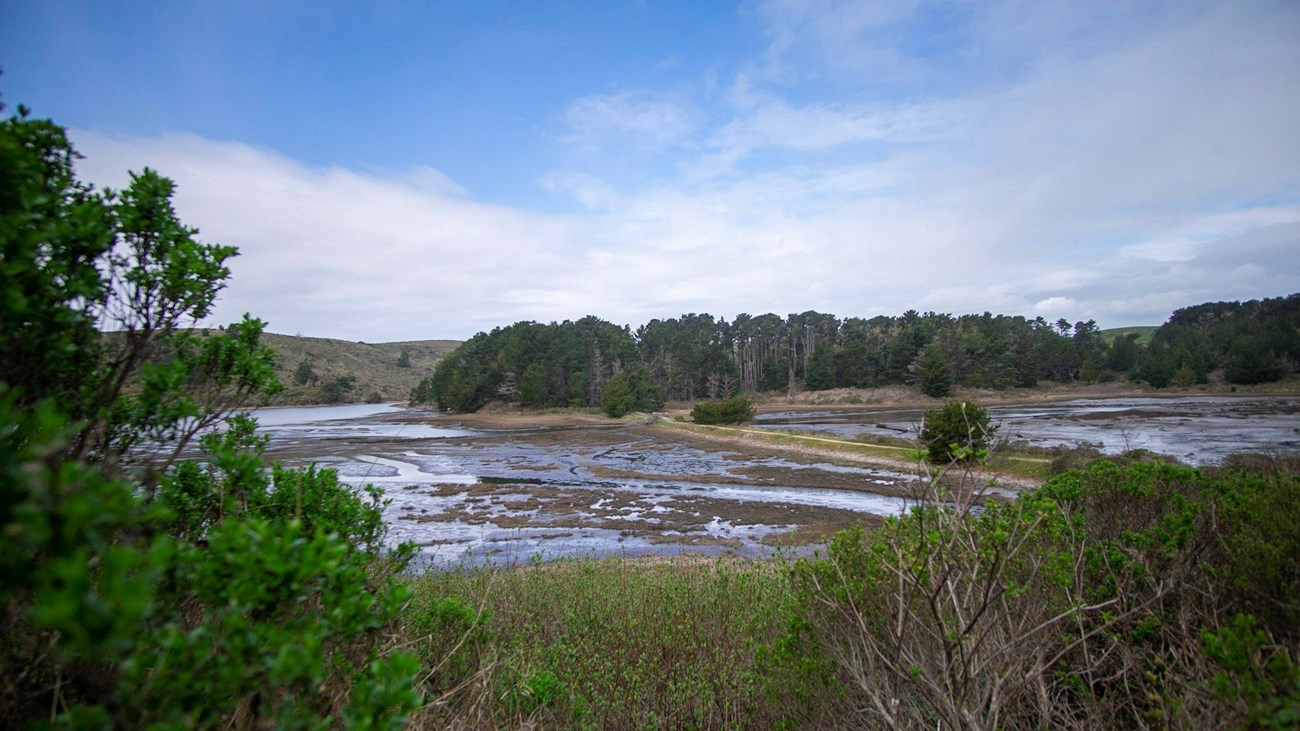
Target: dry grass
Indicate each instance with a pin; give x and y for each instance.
(375, 366)
(1011, 470)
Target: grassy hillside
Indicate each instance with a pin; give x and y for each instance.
(1143, 332)
(375, 366)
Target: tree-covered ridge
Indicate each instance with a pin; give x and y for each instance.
(536, 365)
(699, 356)
(1253, 342)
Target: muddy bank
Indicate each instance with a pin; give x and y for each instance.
(471, 494)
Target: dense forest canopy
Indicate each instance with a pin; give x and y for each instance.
(699, 356)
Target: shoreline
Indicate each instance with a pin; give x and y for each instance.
(499, 416)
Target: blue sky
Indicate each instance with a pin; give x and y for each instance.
(418, 170)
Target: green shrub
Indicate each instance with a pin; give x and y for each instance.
(336, 389)
(735, 410)
(958, 432)
(138, 590)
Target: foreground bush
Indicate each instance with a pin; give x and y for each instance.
(138, 589)
(735, 410)
(1115, 597)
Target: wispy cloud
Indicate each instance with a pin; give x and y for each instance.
(627, 119)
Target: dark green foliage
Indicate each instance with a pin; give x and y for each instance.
(1154, 365)
(404, 360)
(423, 392)
(617, 398)
(1262, 511)
(1253, 677)
(1253, 342)
(564, 364)
(698, 356)
(629, 391)
(821, 369)
(336, 389)
(959, 431)
(136, 590)
(305, 374)
(931, 373)
(1250, 360)
(735, 410)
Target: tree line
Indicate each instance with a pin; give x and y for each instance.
(698, 356)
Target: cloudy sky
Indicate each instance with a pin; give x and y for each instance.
(396, 171)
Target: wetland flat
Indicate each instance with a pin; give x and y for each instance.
(587, 486)
(600, 489)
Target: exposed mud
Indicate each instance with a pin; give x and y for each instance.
(607, 489)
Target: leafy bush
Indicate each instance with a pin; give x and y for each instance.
(735, 410)
(336, 389)
(958, 432)
(138, 590)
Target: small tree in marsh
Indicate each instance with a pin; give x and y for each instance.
(336, 389)
(960, 431)
(304, 374)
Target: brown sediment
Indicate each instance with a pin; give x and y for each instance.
(683, 521)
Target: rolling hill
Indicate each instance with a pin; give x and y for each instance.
(375, 366)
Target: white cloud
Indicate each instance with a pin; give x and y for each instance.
(335, 252)
(1055, 307)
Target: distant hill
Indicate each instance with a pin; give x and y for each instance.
(1144, 333)
(375, 366)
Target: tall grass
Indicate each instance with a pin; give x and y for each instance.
(614, 643)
